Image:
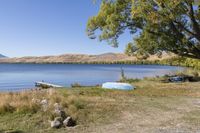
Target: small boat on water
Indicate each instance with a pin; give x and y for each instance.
(118, 86)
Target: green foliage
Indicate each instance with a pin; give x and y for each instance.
(174, 61)
(162, 25)
(75, 85)
(180, 61)
(130, 49)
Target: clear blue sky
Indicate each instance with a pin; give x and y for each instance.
(49, 27)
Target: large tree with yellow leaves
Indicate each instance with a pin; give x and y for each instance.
(162, 25)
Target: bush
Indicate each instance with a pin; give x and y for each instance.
(195, 74)
(75, 85)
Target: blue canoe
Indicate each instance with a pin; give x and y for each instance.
(119, 86)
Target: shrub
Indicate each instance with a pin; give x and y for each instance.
(75, 85)
(195, 74)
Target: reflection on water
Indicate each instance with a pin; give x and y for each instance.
(23, 76)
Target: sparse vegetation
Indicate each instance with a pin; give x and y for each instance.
(94, 108)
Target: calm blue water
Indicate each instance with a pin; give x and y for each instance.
(14, 77)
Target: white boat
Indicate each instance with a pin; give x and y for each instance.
(119, 86)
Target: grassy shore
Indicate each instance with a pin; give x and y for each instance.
(152, 107)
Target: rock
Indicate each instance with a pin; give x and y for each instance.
(60, 113)
(57, 106)
(69, 122)
(44, 104)
(57, 111)
(58, 119)
(57, 122)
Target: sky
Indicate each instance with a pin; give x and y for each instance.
(50, 27)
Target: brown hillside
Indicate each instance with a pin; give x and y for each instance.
(77, 58)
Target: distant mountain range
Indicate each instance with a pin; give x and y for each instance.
(2, 56)
(77, 58)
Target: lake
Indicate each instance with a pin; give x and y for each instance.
(16, 77)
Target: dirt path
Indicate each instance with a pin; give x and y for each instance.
(170, 119)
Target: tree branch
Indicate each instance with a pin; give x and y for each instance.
(196, 26)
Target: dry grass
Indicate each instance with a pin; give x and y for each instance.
(22, 102)
(99, 110)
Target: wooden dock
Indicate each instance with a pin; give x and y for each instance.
(46, 85)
